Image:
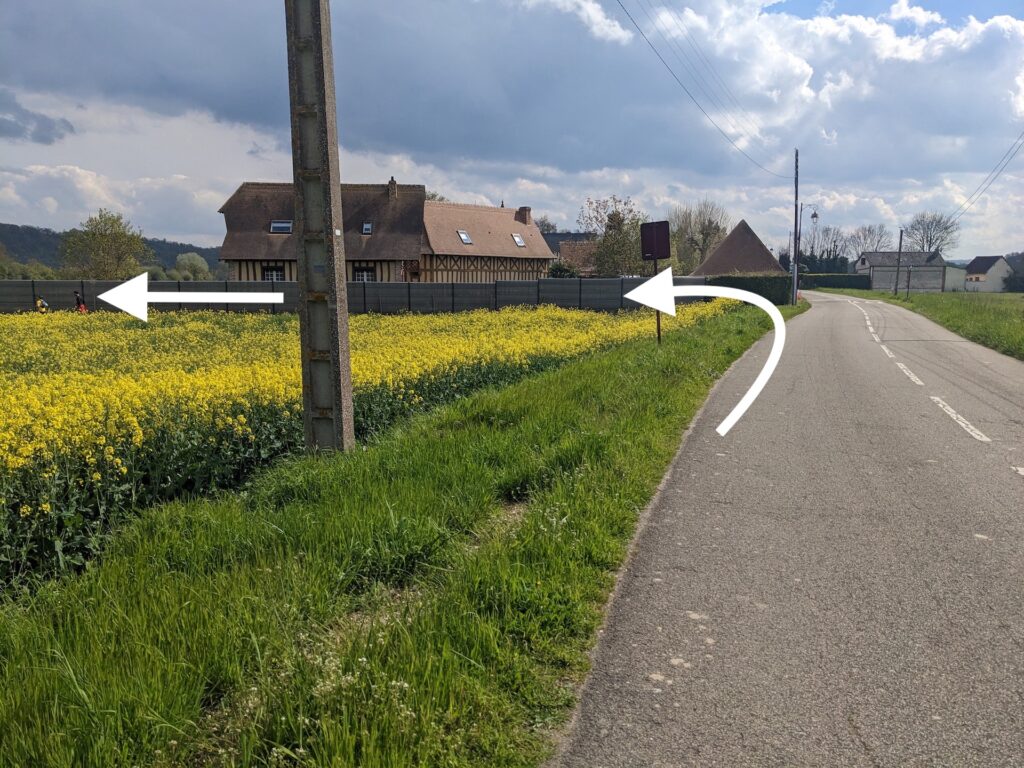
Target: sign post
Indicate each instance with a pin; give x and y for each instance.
(655, 237)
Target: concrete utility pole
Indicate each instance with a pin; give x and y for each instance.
(318, 225)
(899, 258)
(796, 227)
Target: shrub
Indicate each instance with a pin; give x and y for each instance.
(774, 287)
(810, 281)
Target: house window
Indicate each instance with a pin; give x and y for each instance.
(364, 274)
(464, 236)
(519, 240)
(273, 273)
(281, 227)
(367, 227)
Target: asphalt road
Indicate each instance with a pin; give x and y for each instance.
(840, 580)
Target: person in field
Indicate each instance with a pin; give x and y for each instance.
(41, 305)
(80, 304)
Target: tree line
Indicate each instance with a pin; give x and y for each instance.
(106, 246)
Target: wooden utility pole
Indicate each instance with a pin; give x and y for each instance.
(318, 226)
(899, 258)
(796, 227)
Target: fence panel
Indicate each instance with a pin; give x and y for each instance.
(474, 296)
(356, 293)
(16, 296)
(387, 298)
(602, 294)
(93, 288)
(561, 292)
(515, 293)
(430, 297)
(251, 287)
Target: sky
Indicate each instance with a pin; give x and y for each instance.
(160, 110)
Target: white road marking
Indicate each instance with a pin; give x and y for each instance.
(1018, 470)
(875, 337)
(968, 427)
(887, 351)
(910, 374)
(981, 536)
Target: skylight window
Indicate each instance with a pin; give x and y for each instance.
(519, 240)
(367, 227)
(466, 239)
(280, 227)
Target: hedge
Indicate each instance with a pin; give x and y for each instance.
(835, 280)
(774, 287)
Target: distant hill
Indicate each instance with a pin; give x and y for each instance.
(25, 244)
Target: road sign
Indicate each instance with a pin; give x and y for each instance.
(654, 240)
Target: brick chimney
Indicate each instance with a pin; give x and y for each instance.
(392, 189)
(525, 215)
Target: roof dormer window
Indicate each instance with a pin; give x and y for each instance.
(464, 236)
(367, 227)
(519, 240)
(281, 227)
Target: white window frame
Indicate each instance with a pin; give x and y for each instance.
(277, 270)
(520, 242)
(364, 274)
(464, 237)
(367, 228)
(281, 227)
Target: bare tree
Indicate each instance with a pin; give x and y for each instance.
(545, 225)
(933, 231)
(616, 222)
(870, 238)
(696, 231)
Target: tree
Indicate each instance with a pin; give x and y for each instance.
(696, 231)
(561, 269)
(192, 266)
(616, 222)
(933, 231)
(870, 238)
(14, 270)
(545, 225)
(784, 260)
(437, 197)
(106, 247)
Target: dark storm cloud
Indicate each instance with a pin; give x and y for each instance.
(17, 122)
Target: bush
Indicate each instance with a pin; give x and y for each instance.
(774, 287)
(811, 281)
(562, 270)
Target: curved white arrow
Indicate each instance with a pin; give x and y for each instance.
(134, 297)
(659, 293)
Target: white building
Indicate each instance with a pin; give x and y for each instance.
(988, 274)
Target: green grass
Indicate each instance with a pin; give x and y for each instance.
(428, 600)
(995, 320)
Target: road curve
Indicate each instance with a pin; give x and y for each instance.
(840, 580)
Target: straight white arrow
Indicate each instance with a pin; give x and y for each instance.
(660, 293)
(134, 297)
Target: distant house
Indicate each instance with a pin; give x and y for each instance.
(392, 233)
(742, 252)
(926, 270)
(988, 274)
(575, 249)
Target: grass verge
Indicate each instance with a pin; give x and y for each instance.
(995, 320)
(427, 601)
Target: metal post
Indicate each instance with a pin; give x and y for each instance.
(657, 313)
(899, 258)
(323, 300)
(796, 225)
(910, 271)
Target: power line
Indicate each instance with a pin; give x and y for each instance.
(686, 90)
(695, 45)
(995, 173)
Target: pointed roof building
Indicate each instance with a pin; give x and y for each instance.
(742, 252)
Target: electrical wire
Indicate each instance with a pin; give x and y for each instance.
(687, 91)
(995, 173)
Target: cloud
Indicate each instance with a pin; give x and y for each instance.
(19, 123)
(593, 16)
(902, 10)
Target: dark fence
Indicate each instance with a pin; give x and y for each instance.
(809, 281)
(384, 298)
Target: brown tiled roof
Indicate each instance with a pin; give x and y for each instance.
(741, 252)
(489, 228)
(397, 222)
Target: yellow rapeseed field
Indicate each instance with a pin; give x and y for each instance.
(100, 413)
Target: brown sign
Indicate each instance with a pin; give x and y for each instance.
(654, 241)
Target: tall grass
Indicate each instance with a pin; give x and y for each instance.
(426, 601)
(995, 320)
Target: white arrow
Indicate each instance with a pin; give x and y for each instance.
(134, 297)
(660, 293)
